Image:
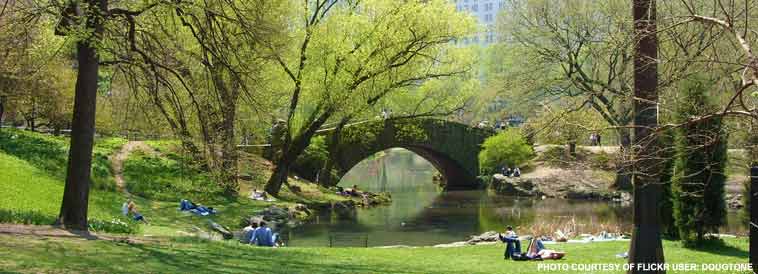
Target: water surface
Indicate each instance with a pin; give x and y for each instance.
(421, 214)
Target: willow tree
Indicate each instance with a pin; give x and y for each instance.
(195, 62)
(345, 56)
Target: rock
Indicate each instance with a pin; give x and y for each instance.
(455, 244)
(514, 186)
(489, 236)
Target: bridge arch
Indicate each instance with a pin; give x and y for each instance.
(452, 148)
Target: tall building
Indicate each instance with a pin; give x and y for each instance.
(486, 12)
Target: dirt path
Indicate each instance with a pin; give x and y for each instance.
(117, 161)
(57, 232)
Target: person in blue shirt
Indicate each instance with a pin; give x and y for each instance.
(247, 232)
(263, 236)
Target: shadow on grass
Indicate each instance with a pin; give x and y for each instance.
(204, 257)
(719, 247)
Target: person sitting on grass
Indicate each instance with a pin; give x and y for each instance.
(538, 251)
(248, 231)
(136, 216)
(512, 242)
(263, 236)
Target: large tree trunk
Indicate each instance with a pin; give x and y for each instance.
(73, 214)
(229, 150)
(291, 149)
(623, 179)
(646, 248)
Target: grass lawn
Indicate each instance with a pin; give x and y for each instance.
(30, 254)
(26, 188)
(33, 176)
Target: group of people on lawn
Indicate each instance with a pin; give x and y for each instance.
(258, 233)
(535, 250)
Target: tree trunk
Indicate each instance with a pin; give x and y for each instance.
(326, 172)
(291, 149)
(623, 179)
(229, 152)
(73, 214)
(2, 110)
(646, 248)
(571, 149)
(753, 216)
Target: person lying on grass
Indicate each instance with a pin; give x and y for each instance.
(537, 250)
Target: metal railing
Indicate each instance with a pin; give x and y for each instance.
(348, 240)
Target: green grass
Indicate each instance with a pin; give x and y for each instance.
(168, 177)
(50, 154)
(184, 255)
(32, 196)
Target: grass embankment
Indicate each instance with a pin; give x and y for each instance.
(32, 181)
(185, 255)
(33, 175)
(159, 179)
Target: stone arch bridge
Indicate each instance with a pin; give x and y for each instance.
(452, 148)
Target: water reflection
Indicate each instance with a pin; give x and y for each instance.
(420, 214)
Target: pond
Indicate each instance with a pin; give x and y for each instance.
(421, 214)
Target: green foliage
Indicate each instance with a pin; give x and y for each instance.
(170, 177)
(699, 169)
(313, 159)
(506, 148)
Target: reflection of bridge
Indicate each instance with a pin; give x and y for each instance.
(452, 148)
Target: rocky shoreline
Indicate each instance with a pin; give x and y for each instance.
(555, 187)
(295, 215)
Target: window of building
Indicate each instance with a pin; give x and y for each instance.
(488, 17)
(487, 6)
(475, 7)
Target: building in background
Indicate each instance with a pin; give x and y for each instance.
(486, 12)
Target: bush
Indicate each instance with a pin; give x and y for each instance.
(506, 148)
(115, 225)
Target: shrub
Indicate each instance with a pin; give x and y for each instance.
(506, 148)
(115, 225)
